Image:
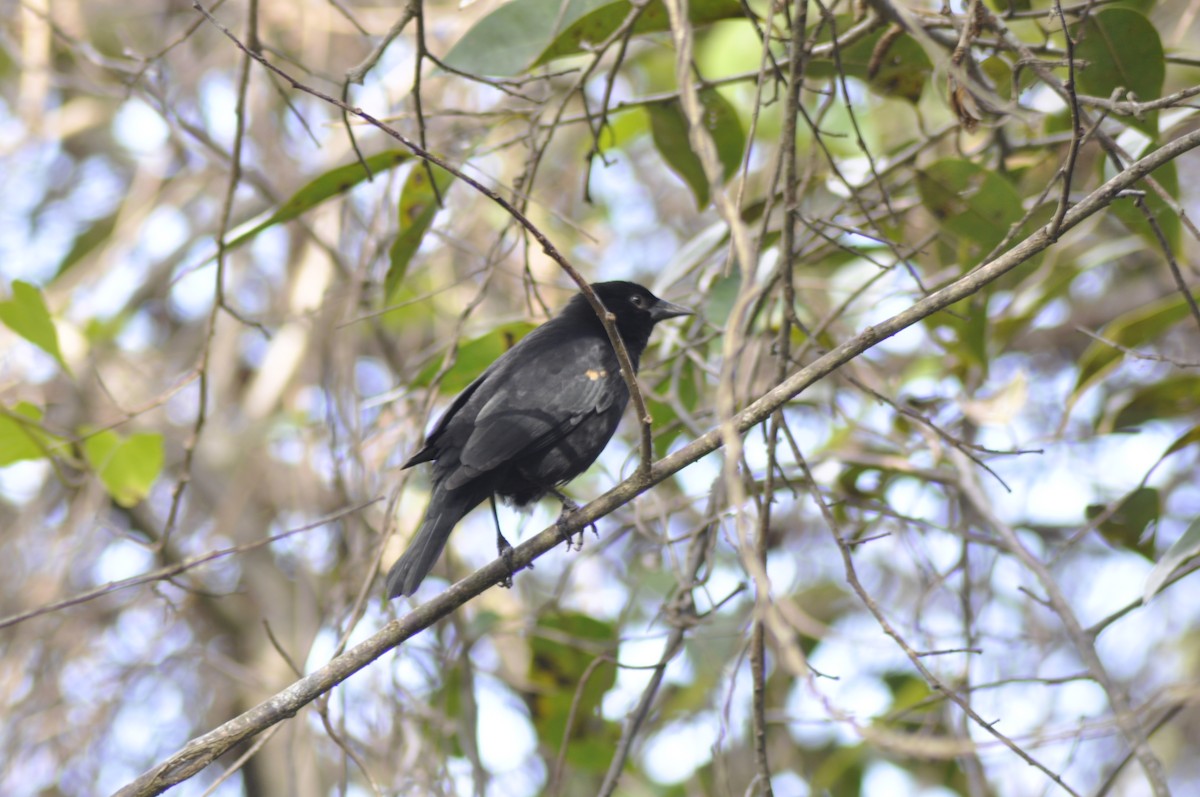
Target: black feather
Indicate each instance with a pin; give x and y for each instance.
(536, 418)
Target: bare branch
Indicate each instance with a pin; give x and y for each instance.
(201, 751)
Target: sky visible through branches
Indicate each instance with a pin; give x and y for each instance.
(923, 575)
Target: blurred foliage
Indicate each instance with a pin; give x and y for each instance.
(26, 314)
(163, 397)
(669, 126)
(128, 467)
(423, 194)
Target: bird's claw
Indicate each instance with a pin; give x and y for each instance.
(569, 508)
(506, 552)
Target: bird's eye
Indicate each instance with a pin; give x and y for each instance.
(637, 300)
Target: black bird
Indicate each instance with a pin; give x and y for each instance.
(535, 419)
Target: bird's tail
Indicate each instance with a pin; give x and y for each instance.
(446, 508)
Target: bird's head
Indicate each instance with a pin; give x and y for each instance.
(637, 309)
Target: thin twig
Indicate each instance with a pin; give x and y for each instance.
(170, 571)
(913, 656)
(555, 784)
(1172, 263)
(205, 749)
(606, 318)
(681, 613)
(1068, 169)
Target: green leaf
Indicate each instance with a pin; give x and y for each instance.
(418, 206)
(1000, 73)
(570, 683)
(474, 357)
(128, 467)
(725, 126)
(669, 127)
(852, 60)
(970, 202)
(27, 315)
(522, 34)
(911, 706)
(330, 184)
(841, 770)
(662, 415)
(1183, 549)
(1189, 438)
(1126, 209)
(902, 70)
(452, 686)
(482, 623)
(1010, 5)
(1121, 49)
(87, 241)
(508, 40)
(1127, 524)
(722, 295)
(1171, 397)
(20, 436)
(1133, 329)
(596, 26)
(967, 322)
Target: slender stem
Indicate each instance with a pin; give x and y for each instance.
(205, 749)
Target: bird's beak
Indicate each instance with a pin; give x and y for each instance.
(664, 310)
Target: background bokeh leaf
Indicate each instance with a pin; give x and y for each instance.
(1121, 50)
(420, 201)
(127, 466)
(332, 183)
(473, 357)
(25, 313)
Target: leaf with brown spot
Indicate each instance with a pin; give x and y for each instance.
(419, 203)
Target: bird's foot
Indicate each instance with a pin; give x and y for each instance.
(505, 550)
(569, 508)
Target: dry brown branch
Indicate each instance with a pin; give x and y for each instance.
(200, 752)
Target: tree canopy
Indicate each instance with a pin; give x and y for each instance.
(912, 507)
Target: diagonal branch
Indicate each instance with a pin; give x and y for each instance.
(203, 750)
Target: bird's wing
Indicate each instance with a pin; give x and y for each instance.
(533, 342)
(429, 451)
(538, 399)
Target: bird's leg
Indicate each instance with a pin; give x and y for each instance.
(569, 507)
(503, 548)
